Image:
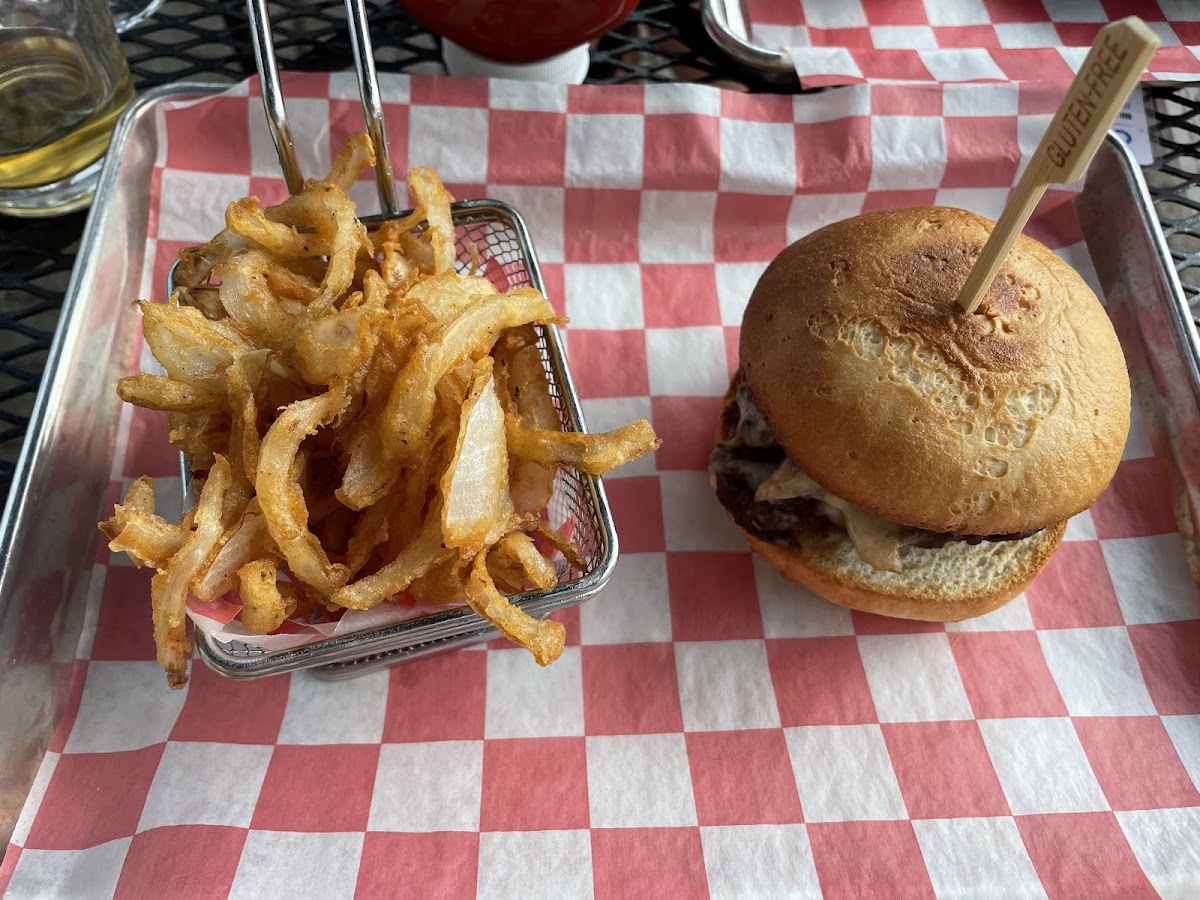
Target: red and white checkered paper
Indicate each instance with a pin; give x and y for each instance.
(710, 730)
(846, 41)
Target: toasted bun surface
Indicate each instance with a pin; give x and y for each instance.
(886, 394)
(954, 582)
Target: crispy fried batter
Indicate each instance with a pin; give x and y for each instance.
(370, 421)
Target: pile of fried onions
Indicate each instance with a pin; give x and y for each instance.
(369, 423)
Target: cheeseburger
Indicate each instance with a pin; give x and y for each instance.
(897, 455)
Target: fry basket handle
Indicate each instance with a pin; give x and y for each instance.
(368, 88)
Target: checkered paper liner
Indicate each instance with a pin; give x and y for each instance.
(846, 41)
(710, 729)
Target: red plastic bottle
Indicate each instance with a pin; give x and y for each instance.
(519, 32)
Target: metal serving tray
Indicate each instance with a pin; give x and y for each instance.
(61, 483)
(1153, 320)
(501, 237)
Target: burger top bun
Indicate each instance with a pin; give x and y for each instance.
(887, 394)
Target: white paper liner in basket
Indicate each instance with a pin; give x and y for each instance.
(218, 620)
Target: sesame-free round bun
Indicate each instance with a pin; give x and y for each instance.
(879, 387)
(954, 582)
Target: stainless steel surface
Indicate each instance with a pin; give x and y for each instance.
(1152, 318)
(272, 93)
(60, 485)
(372, 103)
(725, 22)
(499, 233)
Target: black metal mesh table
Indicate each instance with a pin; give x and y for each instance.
(1174, 180)
(664, 40)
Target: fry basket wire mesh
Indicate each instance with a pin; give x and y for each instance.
(577, 506)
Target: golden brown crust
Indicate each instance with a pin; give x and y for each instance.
(877, 386)
(958, 581)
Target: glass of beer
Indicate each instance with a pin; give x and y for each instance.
(63, 83)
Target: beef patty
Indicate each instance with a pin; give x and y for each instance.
(747, 457)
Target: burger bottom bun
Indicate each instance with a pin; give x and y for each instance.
(957, 581)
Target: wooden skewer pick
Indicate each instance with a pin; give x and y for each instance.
(1112, 67)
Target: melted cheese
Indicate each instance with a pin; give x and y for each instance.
(876, 540)
(751, 430)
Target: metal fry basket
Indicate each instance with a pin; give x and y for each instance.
(496, 231)
(500, 236)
